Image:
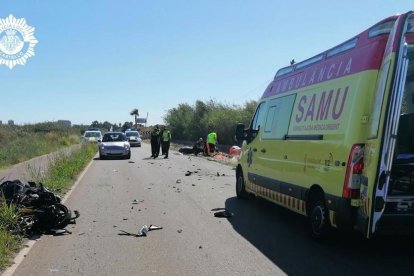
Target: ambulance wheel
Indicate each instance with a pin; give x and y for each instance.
(319, 220)
(240, 186)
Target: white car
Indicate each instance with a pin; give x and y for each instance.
(114, 144)
(92, 136)
(133, 137)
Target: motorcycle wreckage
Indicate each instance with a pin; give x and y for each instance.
(39, 210)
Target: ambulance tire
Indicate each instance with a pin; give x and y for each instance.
(319, 219)
(240, 186)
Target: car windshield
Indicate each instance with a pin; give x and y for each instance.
(131, 133)
(114, 137)
(93, 134)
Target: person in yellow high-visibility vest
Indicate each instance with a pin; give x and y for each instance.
(165, 140)
(212, 141)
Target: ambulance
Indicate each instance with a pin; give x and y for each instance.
(332, 137)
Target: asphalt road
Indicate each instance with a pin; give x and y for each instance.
(260, 239)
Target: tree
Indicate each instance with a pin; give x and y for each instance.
(135, 113)
(106, 125)
(95, 124)
(126, 125)
(190, 122)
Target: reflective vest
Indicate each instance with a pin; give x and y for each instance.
(166, 135)
(212, 138)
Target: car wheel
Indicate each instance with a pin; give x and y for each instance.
(319, 219)
(128, 156)
(240, 186)
(102, 157)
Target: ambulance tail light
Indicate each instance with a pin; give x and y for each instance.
(354, 171)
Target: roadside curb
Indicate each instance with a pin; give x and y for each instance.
(29, 244)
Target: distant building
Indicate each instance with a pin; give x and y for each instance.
(1, 122)
(10, 123)
(65, 122)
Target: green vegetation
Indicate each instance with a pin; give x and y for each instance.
(64, 168)
(192, 122)
(21, 143)
(9, 244)
(62, 172)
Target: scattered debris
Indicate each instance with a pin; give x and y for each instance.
(58, 232)
(154, 227)
(217, 209)
(142, 232)
(223, 214)
(180, 231)
(188, 173)
(135, 202)
(115, 170)
(218, 174)
(193, 184)
(124, 219)
(178, 181)
(200, 247)
(131, 162)
(81, 234)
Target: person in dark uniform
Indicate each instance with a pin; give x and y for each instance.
(155, 142)
(199, 147)
(165, 140)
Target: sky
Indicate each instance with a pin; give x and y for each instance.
(99, 59)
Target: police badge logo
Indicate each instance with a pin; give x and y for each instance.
(17, 41)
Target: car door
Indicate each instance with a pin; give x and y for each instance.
(254, 167)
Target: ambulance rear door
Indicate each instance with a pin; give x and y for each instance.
(392, 76)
